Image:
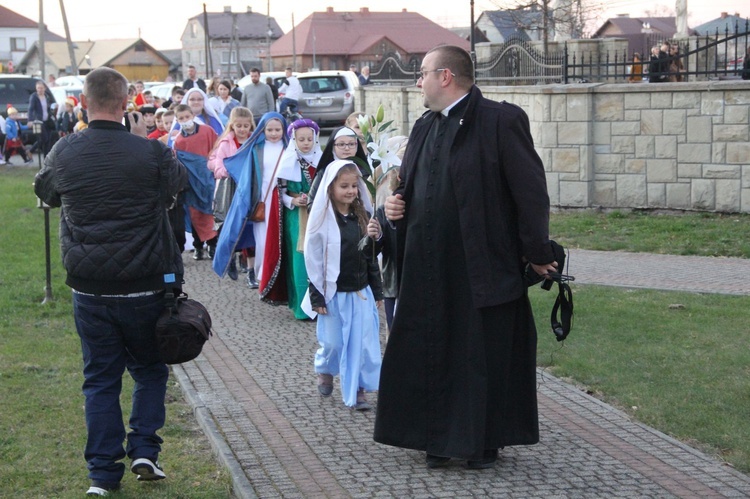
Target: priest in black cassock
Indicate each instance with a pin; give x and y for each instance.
(458, 379)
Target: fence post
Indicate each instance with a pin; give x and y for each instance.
(565, 63)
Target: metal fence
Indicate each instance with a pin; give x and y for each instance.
(517, 62)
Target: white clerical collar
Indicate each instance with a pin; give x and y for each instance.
(447, 110)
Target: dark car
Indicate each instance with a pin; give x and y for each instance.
(15, 91)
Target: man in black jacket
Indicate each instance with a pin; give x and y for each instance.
(459, 374)
(118, 250)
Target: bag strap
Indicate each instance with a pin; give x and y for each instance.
(270, 184)
(169, 279)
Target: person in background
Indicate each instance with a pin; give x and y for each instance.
(139, 99)
(345, 289)
(159, 121)
(344, 143)
(193, 81)
(149, 118)
(257, 96)
(108, 181)
(193, 144)
(290, 92)
(175, 97)
(223, 102)
(746, 65)
(273, 87)
(364, 77)
(66, 122)
(636, 69)
(13, 142)
(458, 379)
(40, 109)
(675, 64)
(239, 127)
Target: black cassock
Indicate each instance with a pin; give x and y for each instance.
(455, 380)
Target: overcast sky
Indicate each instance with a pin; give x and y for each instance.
(161, 22)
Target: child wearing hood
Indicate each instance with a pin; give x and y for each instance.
(296, 173)
(345, 290)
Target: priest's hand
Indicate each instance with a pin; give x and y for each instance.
(544, 269)
(395, 206)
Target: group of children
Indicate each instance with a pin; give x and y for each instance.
(315, 251)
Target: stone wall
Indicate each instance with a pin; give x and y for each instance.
(674, 146)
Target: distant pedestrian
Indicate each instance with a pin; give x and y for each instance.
(193, 81)
(257, 96)
(13, 139)
(364, 77)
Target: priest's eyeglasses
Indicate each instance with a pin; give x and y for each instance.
(422, 74)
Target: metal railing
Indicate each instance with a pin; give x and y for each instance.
(517, 62)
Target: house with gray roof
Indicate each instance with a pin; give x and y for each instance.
(499, 26)
(237, 41)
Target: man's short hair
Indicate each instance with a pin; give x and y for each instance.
(181, 108)
(255, 70)
(105, 90)
(458, 61)
(190, 66)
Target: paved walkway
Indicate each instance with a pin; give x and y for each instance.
(255, 396)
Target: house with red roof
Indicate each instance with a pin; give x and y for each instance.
(335, 40)
(17, 35)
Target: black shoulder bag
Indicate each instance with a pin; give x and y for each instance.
(184, 325)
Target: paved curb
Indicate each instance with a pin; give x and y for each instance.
(241, 486)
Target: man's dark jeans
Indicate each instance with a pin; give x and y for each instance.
(290, 103)
(118, 333)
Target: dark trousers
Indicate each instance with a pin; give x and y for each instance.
(118, 333)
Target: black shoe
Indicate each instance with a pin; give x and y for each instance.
(198, 254)
(251, 282)
(436, 461)
(232, 270)
(488, 461)
(147, 470)
(211, 252)
(102, 488)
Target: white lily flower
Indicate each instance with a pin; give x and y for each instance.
(363, 120)
(385, 152)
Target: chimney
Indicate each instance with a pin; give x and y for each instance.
(329, 10)
(249, 9)
(623, 15)
(227, 9)
(403, 10)
(724, 15)
(364, 10)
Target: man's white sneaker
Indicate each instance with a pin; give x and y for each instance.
(147, 470)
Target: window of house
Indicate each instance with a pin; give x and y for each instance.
(226, 59)
(188, 59)
(193, 30)
(18, 44)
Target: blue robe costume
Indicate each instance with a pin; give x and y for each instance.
(245, 167)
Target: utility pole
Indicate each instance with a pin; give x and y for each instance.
(268, 38)
(71, 51)
(209, 59)
(42, 57)
(294, 46)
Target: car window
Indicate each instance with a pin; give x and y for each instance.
(322, 84)
(16, 90)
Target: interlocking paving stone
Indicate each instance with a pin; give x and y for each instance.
(256, 382)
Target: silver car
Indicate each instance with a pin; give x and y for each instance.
(327, 96)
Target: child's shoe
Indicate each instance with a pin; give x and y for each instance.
(362, 404)
(325, 384)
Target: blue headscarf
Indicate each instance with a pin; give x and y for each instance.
(243, 167)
